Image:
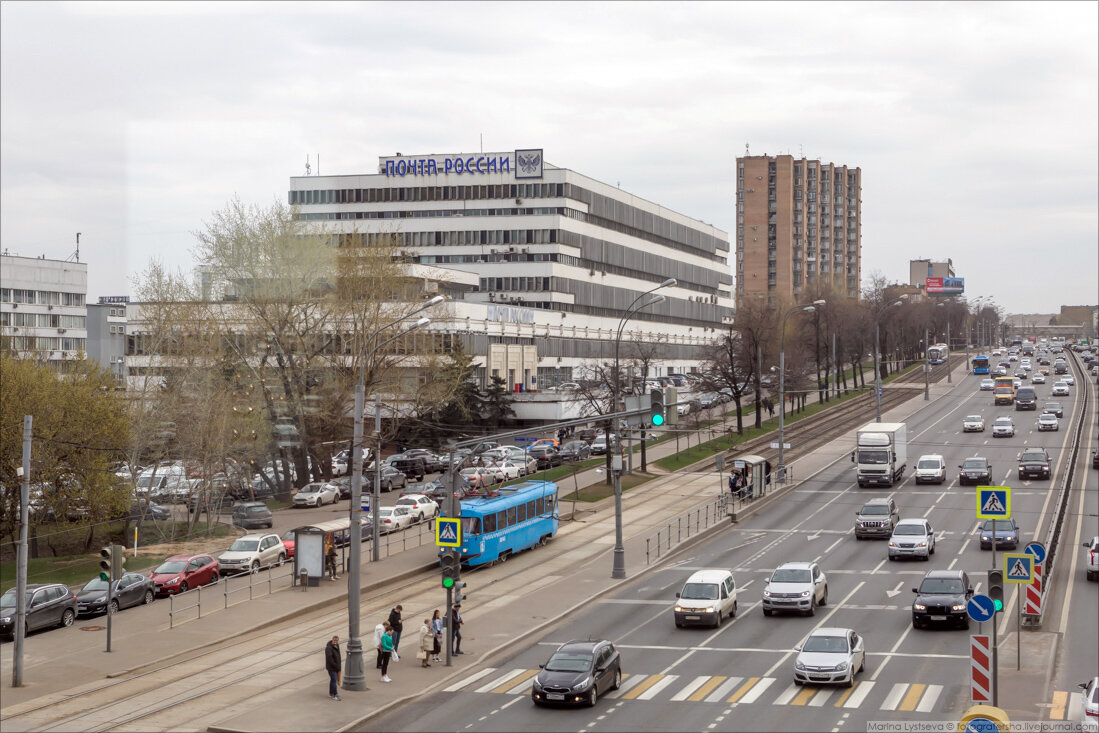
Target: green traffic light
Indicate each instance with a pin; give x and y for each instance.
(999, 605)
(104, 577)
(658, 419)
(448, 582)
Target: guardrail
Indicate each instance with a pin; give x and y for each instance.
(273, 574)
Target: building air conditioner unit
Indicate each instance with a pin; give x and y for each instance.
(518, 202)
(61, 330)
(492, 251)
(511, 249)
(526, 249)
(49, 307)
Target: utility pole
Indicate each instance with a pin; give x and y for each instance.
(21, 558)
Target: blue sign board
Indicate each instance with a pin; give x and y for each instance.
(981, 725)
(993, 502)
(1018, 568)
(448, 532)
(980, 608)
(1038, 550)
(524, 439)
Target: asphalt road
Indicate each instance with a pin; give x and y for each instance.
(739, 677)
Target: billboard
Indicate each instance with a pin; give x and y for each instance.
(945, 285)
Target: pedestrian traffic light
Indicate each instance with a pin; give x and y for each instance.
(118, 560)
(656, 407)
(452, 567)
(459, 596)
(996, 588)
(105, 556)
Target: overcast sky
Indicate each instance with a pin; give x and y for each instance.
(975, 124)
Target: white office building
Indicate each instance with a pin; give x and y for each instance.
(42, 308)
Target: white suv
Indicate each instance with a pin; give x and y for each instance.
(252, 552)
(931, 469)
(795, 586)
(912, 538)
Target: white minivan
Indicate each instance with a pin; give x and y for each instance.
(706, 597)
(931, 469)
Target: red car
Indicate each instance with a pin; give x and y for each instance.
(181, 573)
(288, 541)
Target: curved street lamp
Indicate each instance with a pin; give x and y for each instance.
(618, 568)
(781, 471)
(877, 355)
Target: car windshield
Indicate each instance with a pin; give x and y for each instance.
(791, 575)
(8, 599)
(170, 567)
(1041, 457)
(407, 502)
(997, 525)
(873, 456)
(256, 509)
(244, 546)
(875, 509)
(832, 644)
(569, 662)
(941, 585)
(973, 418)
(927, 464)
(309, 489)
(909, 529)
(385, 511)
(699, 591)
(974, 463)
(95, 584)
(1002, 421)
(290, 536)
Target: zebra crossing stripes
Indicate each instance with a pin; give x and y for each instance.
(469, 680)
(1066, 705)
(853, 696)
(757, 690)
(498, 681)
(691, 688)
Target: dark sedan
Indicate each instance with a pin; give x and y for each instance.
(577, 674)
(547, 456)
(575, 450)
(975, 471)
(132, 589)
(47, 604)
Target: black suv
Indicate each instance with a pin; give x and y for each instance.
(1053, 408)
(48, 604)
(975, 471)
(413, 468)
(942, 598)
(1034, 463)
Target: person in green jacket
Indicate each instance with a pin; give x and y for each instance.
(387, 651)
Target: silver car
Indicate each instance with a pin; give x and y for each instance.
(973, 424)
(795, 586)
(830, 656)
(1047, 421)
(1003, 428)
(912, 538)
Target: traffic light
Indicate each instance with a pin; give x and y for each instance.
(996, 588)
(656, 407)
(105, 560)
(459, 596)
(118, 559)
(452, 566)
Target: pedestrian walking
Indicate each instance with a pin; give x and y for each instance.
(396, 627)
(456, 624)
(387, 651)
(437, 630)
(770, 406)
(330, 561)
(427, 643)
(378, 631)
(333, 664)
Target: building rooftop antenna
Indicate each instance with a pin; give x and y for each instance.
(75, 257)
(308, 168)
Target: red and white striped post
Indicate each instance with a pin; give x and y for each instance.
(1033, 605)
(980, 668)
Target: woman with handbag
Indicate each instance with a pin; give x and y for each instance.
(437, 630)
(427, 643)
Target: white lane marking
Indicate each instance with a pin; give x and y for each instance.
(469, 680)
(757, 691)
(650, 693)
(952, 564)
(629, 682)
(787, 695)
(831, 546)
(894, 696)
(724, 689)
(821, 697)
(860, 693)
(499, 680)
(689, 689)
(892, 653)
(930, 697)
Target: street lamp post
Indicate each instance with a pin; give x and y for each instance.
(877, 358)
(355, 675)
(781, 471)
(618, 568)
(948, 344)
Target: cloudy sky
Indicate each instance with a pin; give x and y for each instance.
(975, 124)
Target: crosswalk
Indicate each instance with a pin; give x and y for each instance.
(900, 697)
(1066, 705)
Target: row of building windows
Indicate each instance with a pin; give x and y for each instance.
(425, 193)
(41, 320)
(40, 297)
(47, 343)
(427, 213)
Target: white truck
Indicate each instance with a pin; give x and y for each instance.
(881, 453)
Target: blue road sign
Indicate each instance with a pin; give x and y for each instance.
(1018, 568)
(448, 532)
(980, 608)
(993, 502)
(524, 439)
(1038, 550)
(981, 725)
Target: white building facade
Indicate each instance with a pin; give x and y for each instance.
(43, 309)
(547, 261)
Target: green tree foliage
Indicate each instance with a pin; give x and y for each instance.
(497, 401)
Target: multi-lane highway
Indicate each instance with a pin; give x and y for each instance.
(740, 676)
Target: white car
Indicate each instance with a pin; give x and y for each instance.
(1060, 389)
(1068, 379)
(420, 507)
(478, 478)
(973, 424)
(1089, 699)
(1047, 421)
(1038, 378)
(317, 494)
(987, 385)
(393, 519)
(829, 656)
(931, 469)
(251, 552)
(795, 586)
(1003, 428)
(511, 469)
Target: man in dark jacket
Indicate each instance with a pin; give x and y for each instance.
(395, 622)
(333, 663)
(456, 622)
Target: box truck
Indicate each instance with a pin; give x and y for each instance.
(881, 453)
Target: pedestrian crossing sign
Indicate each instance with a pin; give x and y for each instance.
(448, 532)
(993, 502)
(1018, 568)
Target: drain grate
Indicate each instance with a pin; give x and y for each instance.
(92, 628)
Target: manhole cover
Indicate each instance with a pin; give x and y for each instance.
(92, 628)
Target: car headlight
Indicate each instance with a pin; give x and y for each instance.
(841, 666)
(581, 684)
(708, 609)
(766, 593)
(6, 620)
(922, 544)
(173, 581)
(919, 607)
(805, 594)
(958, 607)
(679, 609)
(537, 685)
(799, 666)
(892, 543)
(985, 538)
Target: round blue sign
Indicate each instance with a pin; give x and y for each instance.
(981, 725)
(1038, 550)
(980, 608)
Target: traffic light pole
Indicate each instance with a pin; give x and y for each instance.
(110, 597)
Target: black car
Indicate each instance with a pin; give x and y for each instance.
(575, 450)
(148, 510)
(343, 483)
(975, 471)
(437, 491)
(413, 468)
(1034, 463)
(577, 674)
(1053, 408)
(942, 598)
(432, 462)
(132, 589)
(547, 456)
(253, 515)
(47, 604)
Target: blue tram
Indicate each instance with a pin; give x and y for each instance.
(506, 521)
